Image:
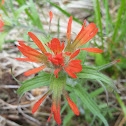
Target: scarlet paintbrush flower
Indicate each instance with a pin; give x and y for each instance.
(61, 59)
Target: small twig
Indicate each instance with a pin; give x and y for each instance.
(9, 86)
(27, 116)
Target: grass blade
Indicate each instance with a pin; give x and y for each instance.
(120, 12)
(65, 12)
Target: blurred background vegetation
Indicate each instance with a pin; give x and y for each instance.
(22, 16)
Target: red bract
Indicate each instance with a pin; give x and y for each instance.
(2, 2)
(55, 109)
(1, 24)
(59, 58)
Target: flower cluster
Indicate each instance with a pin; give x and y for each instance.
(60, 60)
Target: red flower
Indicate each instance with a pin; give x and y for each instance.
(2, 2)
(1, 24)
(61, 58)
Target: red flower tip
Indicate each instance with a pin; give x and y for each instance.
(51, 16)
(1, 25)
(36, 70)
(71, 104)
(38, 103)
(56, 72)
(94, 50)
(56, 110)
(37, 42)
(75, 54)
(118, 60)
(2, 2)
(67, 53)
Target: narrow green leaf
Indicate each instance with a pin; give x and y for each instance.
(89, 103)
(107, 16)
(4, 10)
(68, 117)
(19, 10)
(39, 81)
(98, 18)
(121, 104)
(92, 74)
(120, 12)
(2, 37)
(23, 2)
(58, 28)
(97, 92)
(35, 15)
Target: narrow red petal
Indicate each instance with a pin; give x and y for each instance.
(1, 23)
(38, 103)
(51, 16)
(84, 41)
(56, 72)
(67, 53)
(69, 30)
(21, 43)
(74, 54)
(94, 50)
(56, 109)
(82, 29)
(2, 2)
(36, 70)
(72, 104)
(118, 60)
(75, 61)
(50, 114)
(48, 54)
(31, 54)
(75, 68)
(62, 47)
(37, 42)
(83, 38)
(71, 74)
(26, 59)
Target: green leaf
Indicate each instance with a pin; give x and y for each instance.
(67, 118)
(92, 74)
(89, 103)
(36, 20)
(41, 80)
(99, 59)
(107, 16)
(120, 12)
(19, 10)
(2, 37)
(121, 104)
(98, 18)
